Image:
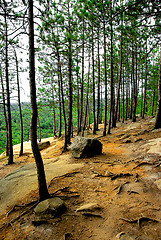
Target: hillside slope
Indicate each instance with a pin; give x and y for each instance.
(125, 181)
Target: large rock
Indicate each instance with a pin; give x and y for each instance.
(43, 145)
(85, 147)
(50, 208)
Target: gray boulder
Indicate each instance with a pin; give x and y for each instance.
(50, 208)
(43, 145)
(85, 147)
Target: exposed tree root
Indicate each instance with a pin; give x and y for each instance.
(120, 187)
(120, 175)
(140, 220)
(62, 176)
(89, 214)
(34, 203)
(142, 163)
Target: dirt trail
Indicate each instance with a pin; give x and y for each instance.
(125, 181)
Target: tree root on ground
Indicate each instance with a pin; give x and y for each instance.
(62, 176)
(140, 220)
(120, 187)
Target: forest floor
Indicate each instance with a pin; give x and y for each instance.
(125, 181)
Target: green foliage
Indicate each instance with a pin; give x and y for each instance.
(46, 124)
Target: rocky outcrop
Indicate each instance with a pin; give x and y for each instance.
(43, 145)
(85, 147)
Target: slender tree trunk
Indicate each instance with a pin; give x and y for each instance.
(38, 120)
(145, 84)
(70, 79)
(98, 86)
(126, 108)
(123, 97)
(132, 92)
(19, 105)
(141, 112)
(158, 114)
(10, 147)
(53, 107)
(89, 114)
(101, 105)
(119, 82)
(4, 112)
(119, 110)
(62, 94)
(82, 82)
(54, 121)
(86, 109)
(105, 71)
(93, 82)
(60, 117)
(112, 79)
(62, 98)
(43, 191)
(78, 112)
(152, 109)
(135, 88)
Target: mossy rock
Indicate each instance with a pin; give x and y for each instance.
(50, 208)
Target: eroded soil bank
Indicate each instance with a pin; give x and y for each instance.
(125, 181)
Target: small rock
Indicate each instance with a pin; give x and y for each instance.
(156, 130)
(50, 208)
(138, 140)
(89, 207)
(126, 136)
(127, 141)
(123, 236)
(43, 145)
(158, 183)
(108, 174)
(136, 187)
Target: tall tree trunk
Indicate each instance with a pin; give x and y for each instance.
(4, 112)
(112, 78)
(38, 120)
(86, 108)
(145, 84)
(93, 83)
(82, 82)
(70, 79)
(152, 108)
(61, 93)
(123, 97)
(60, 117)
(101, 105)
(141, 112)
(135, 88)
(119, 82)
(53, 108)
(127, 99)
(131, 97)
(78, 110)
(19, 105)
(98, 85)
(105, 71)
(10, 147)
(158, 114)
(43, 191)
(62, 98)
